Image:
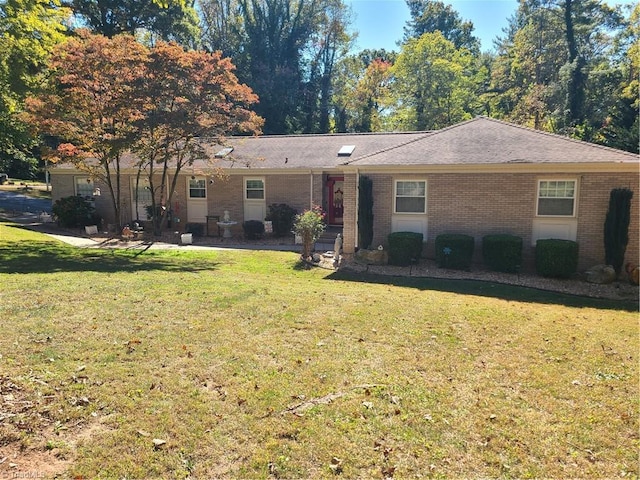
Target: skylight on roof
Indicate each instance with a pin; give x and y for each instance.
(224, 152)
(346, 150)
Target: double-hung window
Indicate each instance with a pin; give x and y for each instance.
(556, 198)
(84, 187)
(197, 188)
(254, 189)
(410, 196)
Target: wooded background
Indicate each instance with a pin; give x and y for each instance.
(564, 66)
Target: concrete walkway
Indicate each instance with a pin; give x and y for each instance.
(75, 238)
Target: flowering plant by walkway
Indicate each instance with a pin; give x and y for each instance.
(309, 225)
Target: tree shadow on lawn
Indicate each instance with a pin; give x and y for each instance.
(50, 257)
(489, 289)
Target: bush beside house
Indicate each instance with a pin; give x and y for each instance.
(405, 248)
(282, 217)
(556, 258)
(74, 211)
(454, 251)
(502, 253)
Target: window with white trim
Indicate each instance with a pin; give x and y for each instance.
(410, 196)
(197, 187)
(556, 198)
(254, 189)
(84, 187)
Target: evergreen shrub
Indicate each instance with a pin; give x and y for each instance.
(75, 211)
(556, 258)
(454, 251)
(502, 253)
(404, 248)
(196, 229)
(253, 229)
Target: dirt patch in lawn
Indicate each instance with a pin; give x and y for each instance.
(32, 443)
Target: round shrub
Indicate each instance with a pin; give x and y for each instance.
(196, 229)
(74, 211)
(253, 229)
(404, 248)
(556, 258)
(454, 251)
(502, 253)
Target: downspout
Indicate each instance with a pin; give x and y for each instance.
(310, 189)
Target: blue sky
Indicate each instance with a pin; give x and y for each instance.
(380, 23)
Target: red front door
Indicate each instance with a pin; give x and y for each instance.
(335, 187)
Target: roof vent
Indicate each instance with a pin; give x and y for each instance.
(224, 152)
(346, 150)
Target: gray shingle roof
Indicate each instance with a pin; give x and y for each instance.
(308, 151)
(484, 141)
(481, 141)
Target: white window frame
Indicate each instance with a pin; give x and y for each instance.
(84, 180)
(395, 195)
(246, 189)
(573, 198)
(204, 189)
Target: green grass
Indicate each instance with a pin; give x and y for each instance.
(250, 366)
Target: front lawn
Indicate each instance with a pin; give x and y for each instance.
(241, 364)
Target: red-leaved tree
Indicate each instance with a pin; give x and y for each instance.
(107, 97)
(91, 104)
(191, 98)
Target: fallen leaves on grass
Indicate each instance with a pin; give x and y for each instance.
(302, 407)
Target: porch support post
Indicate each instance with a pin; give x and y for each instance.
(350, 229)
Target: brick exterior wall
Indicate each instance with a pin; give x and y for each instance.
(349, 239)
(482, 204)
(475, 204)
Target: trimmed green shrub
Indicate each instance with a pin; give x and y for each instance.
(74, 211)
(502, 253)
(556, 258)
(365, 212)
(282, 217)
(196, 229)
(253, 229)
(454, 251)
(404, 248)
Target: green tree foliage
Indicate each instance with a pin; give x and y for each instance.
(361, 94)
(430, 16)
(329, 42)
(564, 67)
(29, 30)
(286, 50)
(175, 20)
(434, 84)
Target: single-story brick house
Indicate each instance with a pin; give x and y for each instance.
(478, 177)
